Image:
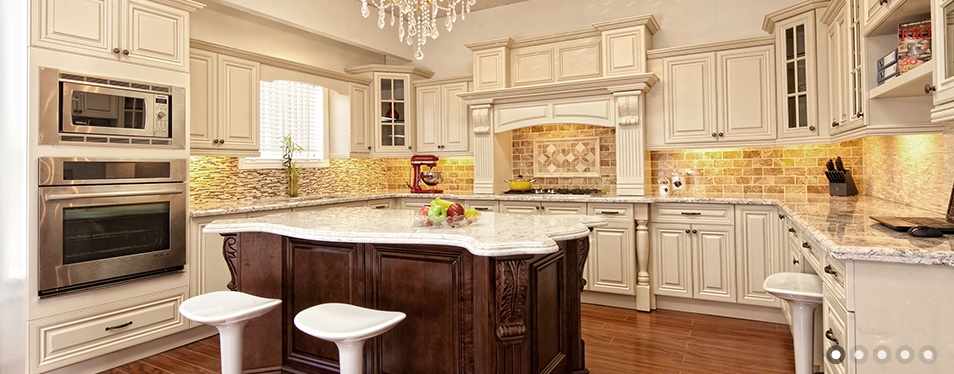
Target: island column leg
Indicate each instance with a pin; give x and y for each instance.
(644, 299)
(512, 282)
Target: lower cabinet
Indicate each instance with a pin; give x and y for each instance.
(758, 253)
(68, 338)
(611, 266)
(207, 265)
(694, 261)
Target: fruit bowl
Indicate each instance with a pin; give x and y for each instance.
(443, 213)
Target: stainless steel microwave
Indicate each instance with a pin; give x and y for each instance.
(82, 109)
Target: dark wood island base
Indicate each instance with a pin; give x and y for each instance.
(465, 313)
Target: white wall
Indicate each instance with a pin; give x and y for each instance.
(682, 22)
(339, 20)
(14, 184)
(226, 26)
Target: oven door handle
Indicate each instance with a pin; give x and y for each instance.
(110, 194)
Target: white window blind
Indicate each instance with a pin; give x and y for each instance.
(296, 108)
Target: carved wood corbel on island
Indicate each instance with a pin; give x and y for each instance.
(501, 296)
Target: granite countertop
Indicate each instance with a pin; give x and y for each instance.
(493, 234)
(839, 224)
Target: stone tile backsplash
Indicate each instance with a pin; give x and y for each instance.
(524, 140)
(916, 170)
(458, 173)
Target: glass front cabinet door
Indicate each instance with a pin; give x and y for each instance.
(943, 34)
(393, 122)
(797, 95)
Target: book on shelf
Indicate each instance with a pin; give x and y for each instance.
(914, 45)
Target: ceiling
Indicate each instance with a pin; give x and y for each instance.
(484, 4)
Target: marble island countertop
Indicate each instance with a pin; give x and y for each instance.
(841, 225)
(493, 234)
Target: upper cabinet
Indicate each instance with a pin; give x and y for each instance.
(360, 118)
(942, 25)
(225, 105)
(391, 126)
(720, 97)
(136, 31)
(442, 122)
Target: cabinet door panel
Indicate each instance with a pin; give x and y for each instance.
(746, 94)
(612, 258)
(82, 26)
(836, 71)
(202, 98)
(757, 252)
(564, 208)
(714, 263)
(689, 98)
(796, 77)
(456, 129)
(360, 119)
(238, 91)
(671, 260)
(429, 119)
(519, 207)
(153, 34)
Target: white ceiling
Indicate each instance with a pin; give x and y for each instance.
(484, 4)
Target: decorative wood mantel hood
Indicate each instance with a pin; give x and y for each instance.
(593, 77)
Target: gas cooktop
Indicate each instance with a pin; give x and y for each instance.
(555, 191)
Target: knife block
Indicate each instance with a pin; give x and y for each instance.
(838, 188)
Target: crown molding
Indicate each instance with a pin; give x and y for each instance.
(277, 62)
(710, 47)
(586, 87)
(555, 38)
(642, 20)
(380, 68)
(186, 5)
(494, 43)
(833, 8)
(464, 78)
(768, 24)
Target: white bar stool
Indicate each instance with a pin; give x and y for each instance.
(803, 292)
(347, 326)
(228, 311)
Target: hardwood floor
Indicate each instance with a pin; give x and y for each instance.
(617, 341)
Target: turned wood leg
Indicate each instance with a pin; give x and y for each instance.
(644, 301)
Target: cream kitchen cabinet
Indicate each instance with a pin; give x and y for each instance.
(611, 265)
(443, 127)
(535, 207)
(209, 271)
(225, 105)
(391, 125)
(796, 67)
(136, 31)
(724, 96)
(360, 119)
(694, 261)
(758, 251)
(481, 205)
(942, 24)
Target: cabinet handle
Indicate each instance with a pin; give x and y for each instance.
(687, 231)
(126, 52)
(882, 2)
(928, 88)
(861, 114)
(721, 134)
(382, 206)
(215, 141)
(831, 271)
(834, 124)
(806, 245)
(691, 213)
(695, 232)
(481, 208)
(794, 261)
(608, 212)
(781, 216)
(811, 128)
(715, 135)
(791, 230)
(116, 50)
(830, 335)
(119, 326)
(221, 141)
(369, 147)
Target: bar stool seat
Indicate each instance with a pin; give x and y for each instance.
(347, 326)
(803, 292)
(228, 311)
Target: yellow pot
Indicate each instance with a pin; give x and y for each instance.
(519, 184)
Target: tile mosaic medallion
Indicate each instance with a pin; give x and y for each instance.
(566, 157)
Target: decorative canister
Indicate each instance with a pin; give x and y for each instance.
(664, 187)
(678, 182)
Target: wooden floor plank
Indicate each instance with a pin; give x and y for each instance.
(618, 341)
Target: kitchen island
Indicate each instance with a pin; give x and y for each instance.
(499, 296)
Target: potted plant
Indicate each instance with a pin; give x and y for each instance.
(288, 149)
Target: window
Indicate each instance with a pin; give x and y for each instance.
(296, 108)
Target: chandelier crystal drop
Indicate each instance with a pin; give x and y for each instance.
(420, 16)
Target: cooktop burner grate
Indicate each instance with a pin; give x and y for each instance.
(555, 191)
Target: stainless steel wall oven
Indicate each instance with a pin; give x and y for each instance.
(104, 221)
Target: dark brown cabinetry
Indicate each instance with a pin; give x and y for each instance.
(465, 313)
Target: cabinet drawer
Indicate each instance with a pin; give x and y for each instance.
(834, 275)
(520, 207)
(835, 318)
(811, 252)
(353, 204)
(563, 208)
(267, 212)
(71, 337)
(381, 204)
(414, 203)
(693, 213)
(611, 211)
(481, 206)
(313, 208)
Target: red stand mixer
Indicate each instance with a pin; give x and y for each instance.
(429, 177)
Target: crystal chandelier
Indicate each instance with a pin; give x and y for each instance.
(420, 16)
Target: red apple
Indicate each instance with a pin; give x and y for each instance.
(423, 211)
(455, 210)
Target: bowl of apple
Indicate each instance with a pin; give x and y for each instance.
(444, 213)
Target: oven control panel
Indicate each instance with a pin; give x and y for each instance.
(162, 116)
